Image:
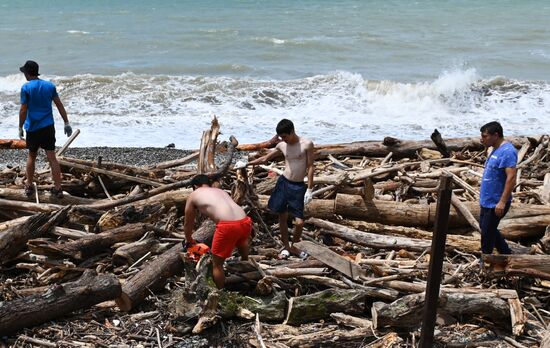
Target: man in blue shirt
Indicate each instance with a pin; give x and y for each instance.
(499, 179)
(36, 117)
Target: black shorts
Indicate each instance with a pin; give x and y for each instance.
(41, 138)
(288, 196)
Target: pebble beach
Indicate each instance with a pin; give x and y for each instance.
(135, 156)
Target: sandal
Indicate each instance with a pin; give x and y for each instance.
(284, 254)
(29, 191)
(57, 193)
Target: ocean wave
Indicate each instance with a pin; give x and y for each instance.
(151, 110)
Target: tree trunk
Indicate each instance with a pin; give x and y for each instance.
(15, 238)
(150, 278)
(407, 311)
(58, 301)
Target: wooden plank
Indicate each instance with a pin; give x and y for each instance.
(332, 259)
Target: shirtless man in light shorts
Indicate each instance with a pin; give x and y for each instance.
(233, 226)
(291, 193)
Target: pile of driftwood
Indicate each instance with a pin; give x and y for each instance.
(104, 265)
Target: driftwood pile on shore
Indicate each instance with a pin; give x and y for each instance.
(104, 265)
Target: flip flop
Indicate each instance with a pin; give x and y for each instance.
(303, 255)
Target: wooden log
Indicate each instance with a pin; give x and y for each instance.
(19, 195)
(15, 238)
(320, 305)
(402, 148)
(545, 343)
(467, 244)
(332, 259)
(524, 227)
(88, 246)
(149, 213)
(131, 252)
(350, 320)
(440, 143)
(58, 301)
(407, 310)
(131, 178)
(30, 207)
(123, 168)
(526, 265)
(466, 214)
(258, 146)
(370, 239)
(421, 287)
(175, 163)
(150, 278)
(12, 144)
(331, 337)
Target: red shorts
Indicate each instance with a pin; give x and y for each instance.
(229, 234)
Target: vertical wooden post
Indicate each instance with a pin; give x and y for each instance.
(436, 261)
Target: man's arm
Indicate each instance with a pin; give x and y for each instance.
(61, 109)
(310, 166)
(22, 115)
(508, 187)
(189, 220)
(271, 155)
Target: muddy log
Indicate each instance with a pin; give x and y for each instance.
(150, 278)
(15, 238)
(404, 148)
(320, 305)
(58, 301)
(407, 311)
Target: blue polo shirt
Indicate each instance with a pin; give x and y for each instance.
(494, 175)
(38, 96)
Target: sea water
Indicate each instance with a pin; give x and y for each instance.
(150, 73)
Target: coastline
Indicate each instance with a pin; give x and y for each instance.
(135, 156)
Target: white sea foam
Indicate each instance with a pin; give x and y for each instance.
(145, 110)
(78, 32)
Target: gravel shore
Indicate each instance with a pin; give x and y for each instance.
(136, 156)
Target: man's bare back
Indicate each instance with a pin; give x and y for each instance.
(296, 158)
(216, 203)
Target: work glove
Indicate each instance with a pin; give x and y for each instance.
(21, 133)
(240, 164)
(308, 196)
(68, 129)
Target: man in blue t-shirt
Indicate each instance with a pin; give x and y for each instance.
(36, 117)
(499, 179)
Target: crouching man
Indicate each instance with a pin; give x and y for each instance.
(233, 226)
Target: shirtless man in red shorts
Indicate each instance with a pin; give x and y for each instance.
(233, 227)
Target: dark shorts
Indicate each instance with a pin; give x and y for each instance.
(288, 196)
(41, 138)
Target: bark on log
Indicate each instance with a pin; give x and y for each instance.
(407, 311)
(15, 238)
(321, 304)
(58, 301)
(331, 337)
(27, 206)
(150, 278)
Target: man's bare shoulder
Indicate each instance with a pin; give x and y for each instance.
(306, 142)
